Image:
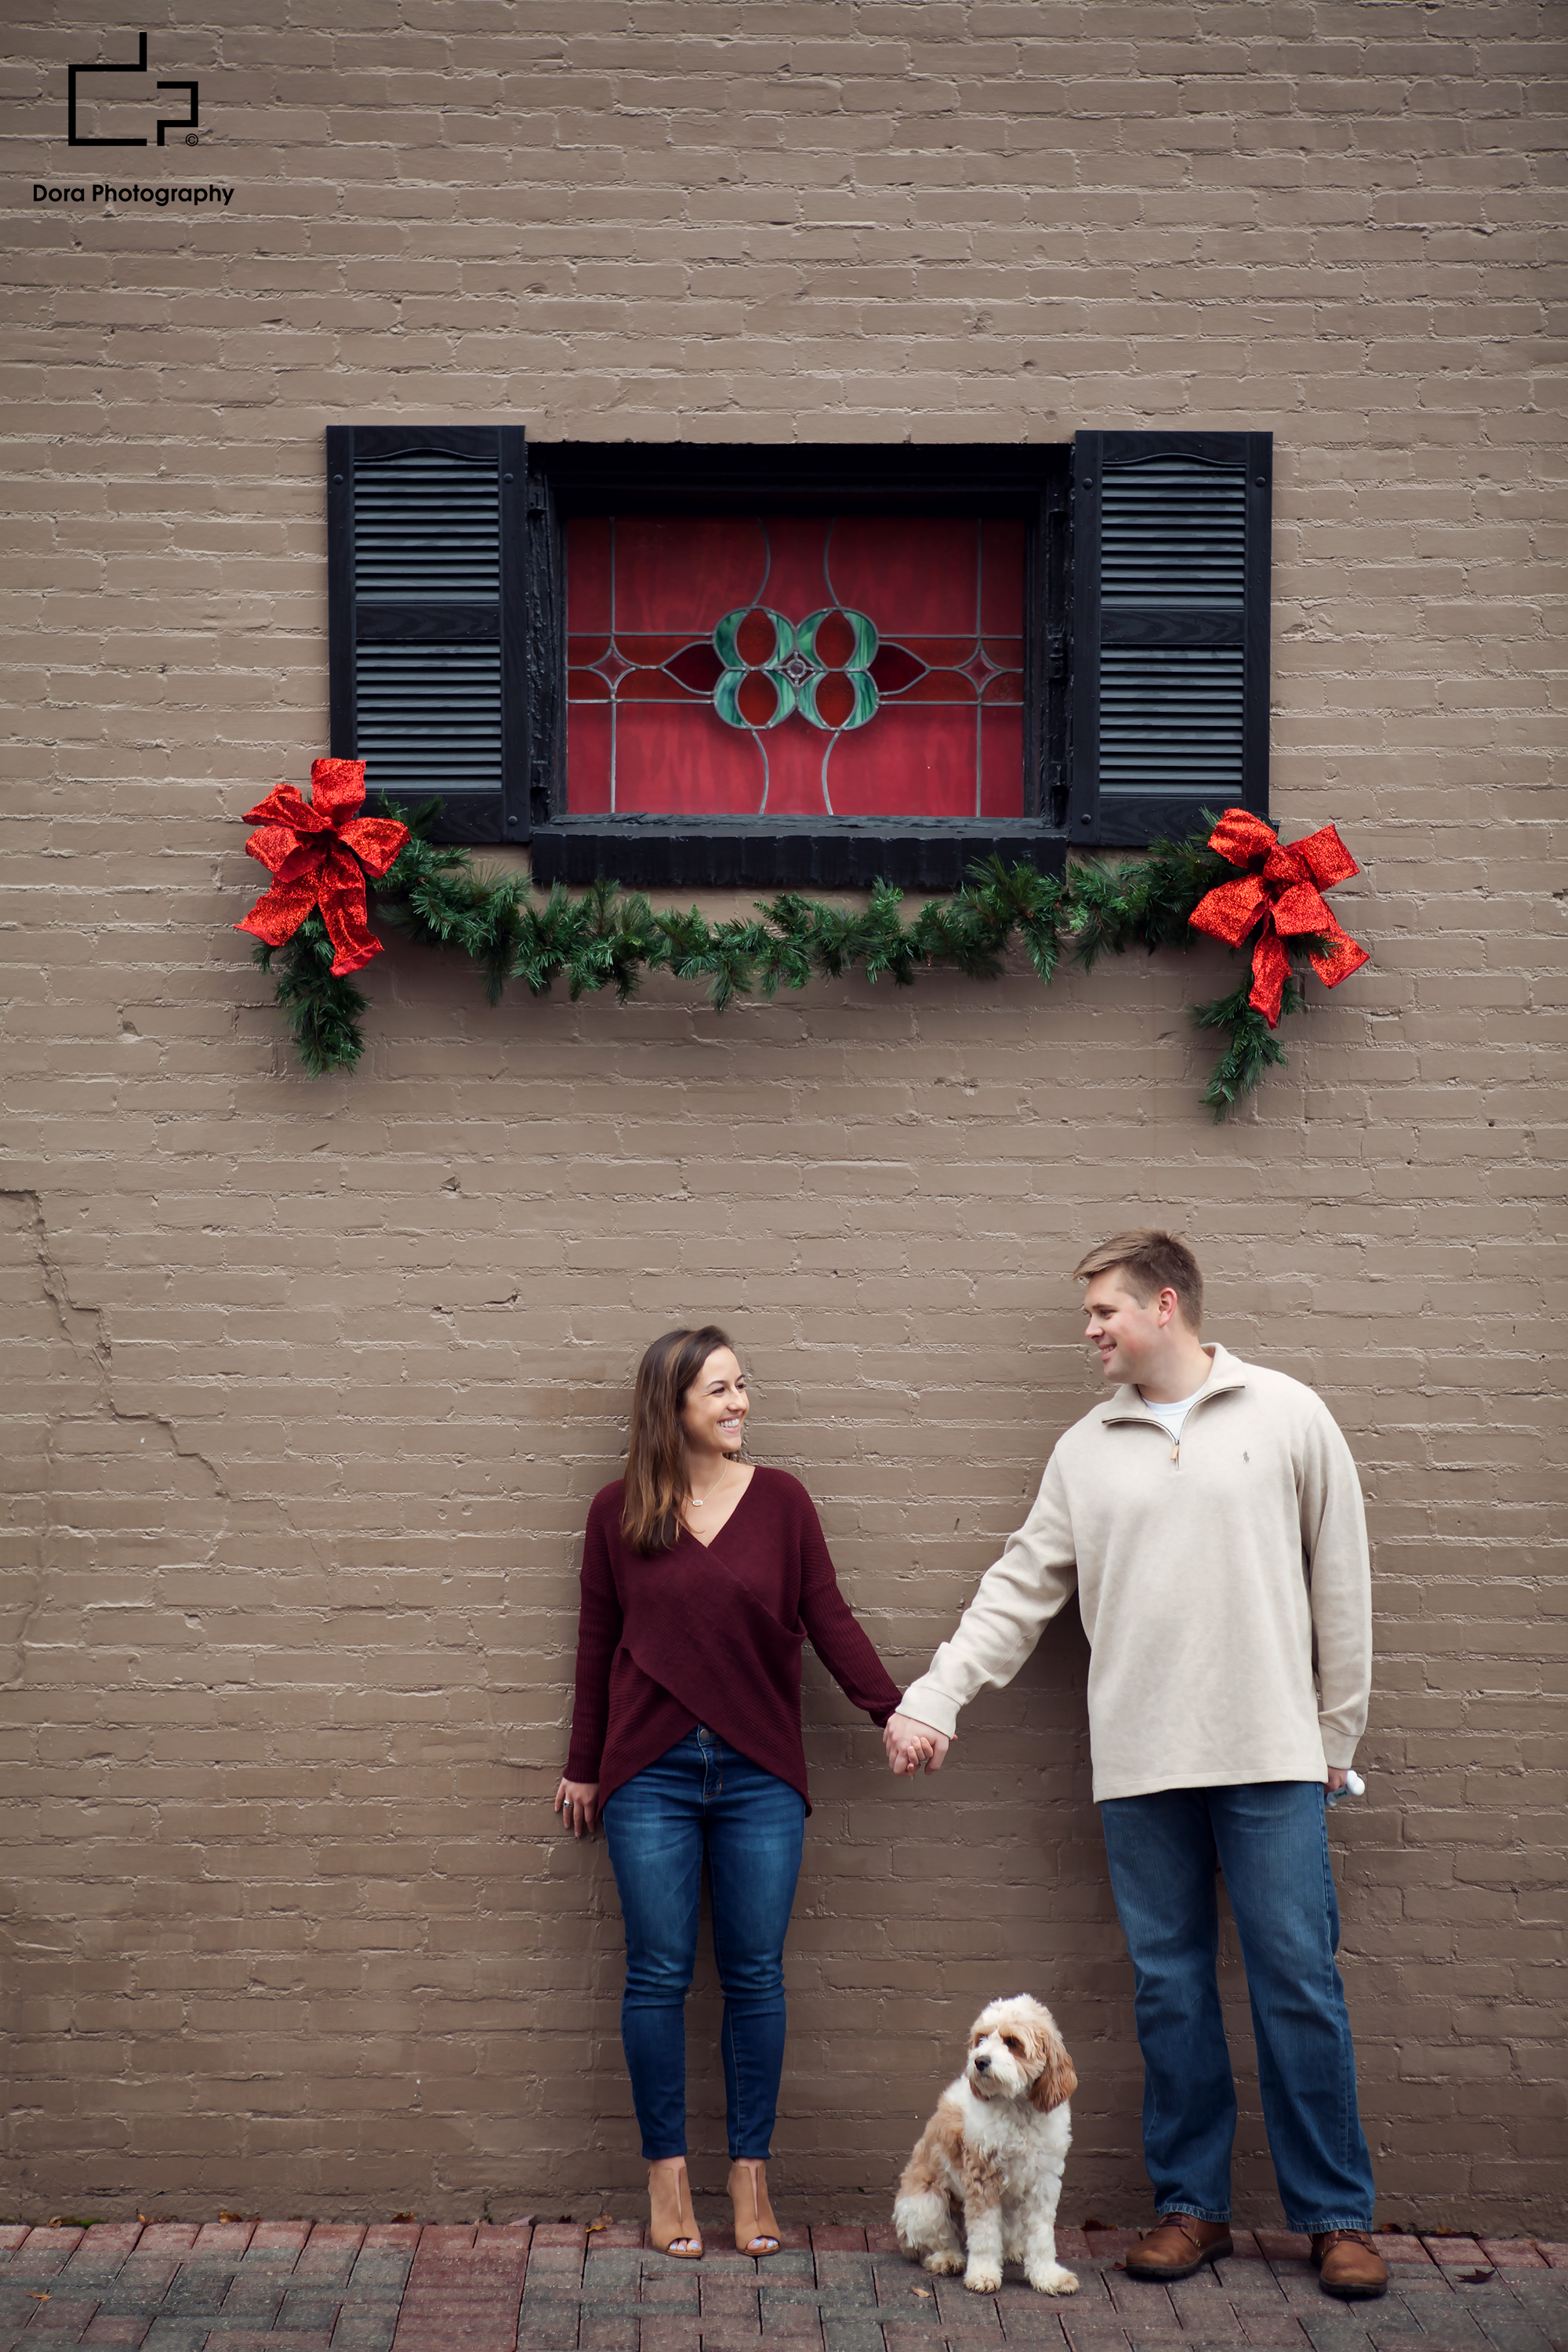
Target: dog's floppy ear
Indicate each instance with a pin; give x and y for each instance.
(1056, 2080)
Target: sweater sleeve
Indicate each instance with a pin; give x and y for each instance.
(1333, 1541)
(1016, 1599)
(833, 1629)
(598, 1632)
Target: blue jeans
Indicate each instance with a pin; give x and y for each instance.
(1271, 1840)
(703, 1798)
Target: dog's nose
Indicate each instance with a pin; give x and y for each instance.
(983, 2066)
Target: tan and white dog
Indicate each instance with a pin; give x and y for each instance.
(992, 2153)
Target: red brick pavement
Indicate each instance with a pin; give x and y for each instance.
(297, 2287)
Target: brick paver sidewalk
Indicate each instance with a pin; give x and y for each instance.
(297, 2287)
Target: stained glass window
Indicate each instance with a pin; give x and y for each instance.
(794, 666)
(800, 665)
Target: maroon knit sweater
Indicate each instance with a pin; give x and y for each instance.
(712, 1635)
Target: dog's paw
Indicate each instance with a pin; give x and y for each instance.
(1051, 2279)
(980, 2279)
(944, 2265)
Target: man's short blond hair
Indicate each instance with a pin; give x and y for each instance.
(1150, 1262)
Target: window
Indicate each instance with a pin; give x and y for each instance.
(790, 667)
(810, 666)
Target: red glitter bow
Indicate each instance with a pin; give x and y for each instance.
(307, 845)
(1285, 886)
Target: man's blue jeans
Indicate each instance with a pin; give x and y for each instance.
(703, 1798)
(1269, 1837)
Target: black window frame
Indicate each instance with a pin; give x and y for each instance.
(986, 481)
(1055, 487)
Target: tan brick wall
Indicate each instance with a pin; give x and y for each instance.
(310, 1383)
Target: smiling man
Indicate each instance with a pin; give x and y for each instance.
(1209, 1517)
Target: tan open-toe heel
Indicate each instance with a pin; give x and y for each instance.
(756, 2226)
(672, 2224)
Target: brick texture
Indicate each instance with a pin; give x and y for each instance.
(308, 1384)
(838, 2288)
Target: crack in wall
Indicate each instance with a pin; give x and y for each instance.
(35, 1402)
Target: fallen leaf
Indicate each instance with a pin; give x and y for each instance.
(405, 2217)
(523, 2221)
(923, 2292)
(236, 2217)
(600, 2222)
(1477, 2278)
(1092, 2224)
(39, 2295)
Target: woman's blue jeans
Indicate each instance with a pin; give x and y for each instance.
(700, 1798)
(1271, 1840)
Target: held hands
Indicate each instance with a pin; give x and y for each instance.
(909, 1745)
(577, 1802)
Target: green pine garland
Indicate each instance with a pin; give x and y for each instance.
(609, 937)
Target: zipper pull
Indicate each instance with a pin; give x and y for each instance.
(1175, 1449)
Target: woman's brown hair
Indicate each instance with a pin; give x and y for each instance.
(656, 1482)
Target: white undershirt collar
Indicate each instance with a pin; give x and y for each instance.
(1171, 1415)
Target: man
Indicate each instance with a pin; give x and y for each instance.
(1210, 1518)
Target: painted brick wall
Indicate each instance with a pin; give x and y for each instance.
(309, 1383)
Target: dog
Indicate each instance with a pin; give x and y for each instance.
(992, 2153)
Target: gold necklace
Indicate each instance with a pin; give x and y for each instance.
(696, 1502)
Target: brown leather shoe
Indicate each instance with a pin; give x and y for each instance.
(1348, 2264)
(1179, 2245)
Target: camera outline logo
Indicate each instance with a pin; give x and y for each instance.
(187, 123)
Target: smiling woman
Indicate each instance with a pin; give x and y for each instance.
(688, 1414)
(703, 1576)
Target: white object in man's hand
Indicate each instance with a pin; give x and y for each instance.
(909, 1745)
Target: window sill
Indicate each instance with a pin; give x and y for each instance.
(788, 854)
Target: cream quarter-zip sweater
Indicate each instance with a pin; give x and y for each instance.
(1223, 1584)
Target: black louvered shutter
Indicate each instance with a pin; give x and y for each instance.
(1170, 631)
(427, 568)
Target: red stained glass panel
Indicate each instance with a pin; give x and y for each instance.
(860, 665)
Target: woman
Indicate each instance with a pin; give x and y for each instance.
(701, 1576)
